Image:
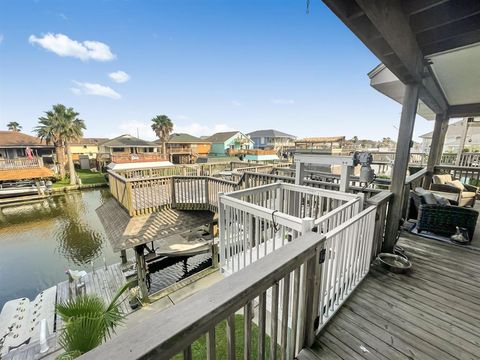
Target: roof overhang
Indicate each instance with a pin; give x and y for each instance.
(427, 42)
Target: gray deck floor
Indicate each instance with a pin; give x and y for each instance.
(432, 313)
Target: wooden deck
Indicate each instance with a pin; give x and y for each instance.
(432, 313)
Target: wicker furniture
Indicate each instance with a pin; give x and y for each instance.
(443, 219)
(463, 197)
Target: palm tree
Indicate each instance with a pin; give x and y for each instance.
(163, 126)
(14, 126)
(59, 127)
(88, 322)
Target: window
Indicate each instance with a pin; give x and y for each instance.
(118, 149)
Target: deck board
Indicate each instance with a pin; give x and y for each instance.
(431, 313)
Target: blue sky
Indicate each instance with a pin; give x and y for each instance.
(209, 65)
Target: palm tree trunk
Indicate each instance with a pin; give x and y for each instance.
(60, 153)
(71, 167)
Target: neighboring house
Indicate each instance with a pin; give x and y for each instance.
(454, 135)
(272, 139)
(86, 146)
(22, 157)
(223, 142)
(129, 152)
(185, 149)
(14, 144)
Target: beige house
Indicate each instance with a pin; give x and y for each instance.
(86, 146)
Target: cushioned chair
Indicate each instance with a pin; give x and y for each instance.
(462, 194)
(434, 215)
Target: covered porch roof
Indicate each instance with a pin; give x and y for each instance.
(434, 43)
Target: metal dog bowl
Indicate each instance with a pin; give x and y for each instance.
(394, 263)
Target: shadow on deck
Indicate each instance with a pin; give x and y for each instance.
(432, 313)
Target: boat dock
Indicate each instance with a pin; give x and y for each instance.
(24, 335)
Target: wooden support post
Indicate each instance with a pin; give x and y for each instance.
(345, 178)
(123, 256)
(299, 173)
(436, 147)
(402, 155)
(312, 287)
(141, 272)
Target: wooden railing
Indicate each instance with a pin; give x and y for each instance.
(288, 295)
(20, 163)
(140, 157)
(142, 195)
(254, 222)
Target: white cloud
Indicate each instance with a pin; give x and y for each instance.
(119, 76)
(63, 16)
(283, 101)
(95, 89)
(1, 38)
(62, 45)
(236, 103)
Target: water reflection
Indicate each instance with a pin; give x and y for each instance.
(39, 241)
(77, 241)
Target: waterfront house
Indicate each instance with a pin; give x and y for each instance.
(272, 139)
(127, 151)
(86, 146)
(186, 149)
(222, 142)
(14, 144)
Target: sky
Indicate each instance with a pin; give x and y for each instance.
(209, 65)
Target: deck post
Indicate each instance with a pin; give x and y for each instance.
(123, 256)
(141, 272)
(402, 155)
(299, 173)
(436, 146)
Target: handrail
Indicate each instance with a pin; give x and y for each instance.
(418, 175)
(201, 312)
(380, 198)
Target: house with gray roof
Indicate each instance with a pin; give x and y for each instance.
(222, 142)
(272, 139)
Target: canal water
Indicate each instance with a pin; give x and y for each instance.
(40, 241)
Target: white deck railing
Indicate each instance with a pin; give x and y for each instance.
(255, 222)
(289, 295)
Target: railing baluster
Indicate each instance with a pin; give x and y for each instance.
(211, 352)
(231, 337)
(262, 313)
(274, 322)
(247, 331)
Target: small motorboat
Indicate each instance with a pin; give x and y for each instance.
(8, 190)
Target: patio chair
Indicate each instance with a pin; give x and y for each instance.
(463, 194)
(434, 215)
